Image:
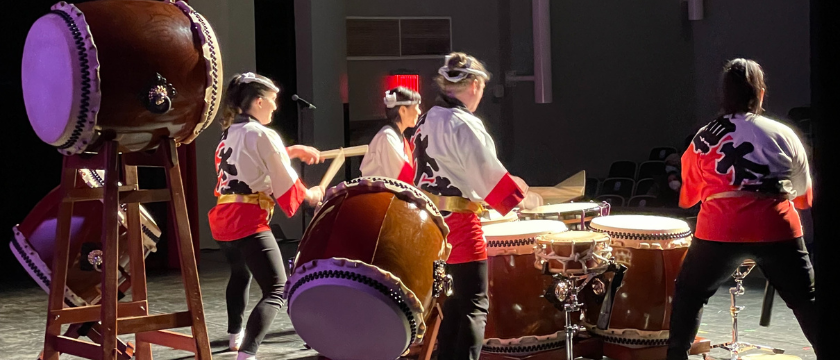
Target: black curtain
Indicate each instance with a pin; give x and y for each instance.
(274, 24)
(825, 97)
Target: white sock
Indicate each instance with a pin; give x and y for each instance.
(236, 340)
(244, 356)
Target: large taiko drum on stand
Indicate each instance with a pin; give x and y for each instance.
(653, 249)
(369, 268)
(134, 71)
(520, 320)
(34, 243)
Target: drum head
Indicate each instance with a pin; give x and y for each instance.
(323, 314)
(572, 236)
(493, 217)
(48, 78)
(522, 229)
(562, 208)
(640, 224)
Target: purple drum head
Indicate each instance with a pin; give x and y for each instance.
(60, 79)
(344, 320)
(47, 76)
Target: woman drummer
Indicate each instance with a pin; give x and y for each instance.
(254, 173)
(751, 174)
(457, 168)
(390, 153)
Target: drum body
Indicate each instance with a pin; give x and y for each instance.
(133, 71)
(653, 249)
(493, 217)
(520, 320)
(368, 270)
(573, 252)
(575, 215)
(34, 244)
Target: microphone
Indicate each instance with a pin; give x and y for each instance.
(303, 103)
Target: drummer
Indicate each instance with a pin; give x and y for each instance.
(751, 174)
(389, 153)
(254, 172)
(457, 168)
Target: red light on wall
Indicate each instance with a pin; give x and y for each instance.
(408, 81)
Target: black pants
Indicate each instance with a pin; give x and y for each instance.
(709, 264)
(464, 313)
(259, 255)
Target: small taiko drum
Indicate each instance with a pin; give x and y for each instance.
(653, 249)
(494, 217)
(34, 244)
(369, 268)
(520, 320)
(132, 71)
(574, 215)
(573, 252)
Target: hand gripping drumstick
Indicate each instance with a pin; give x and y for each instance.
(333, 169)
(348, 152)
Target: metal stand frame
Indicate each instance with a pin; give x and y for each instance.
(736, 347)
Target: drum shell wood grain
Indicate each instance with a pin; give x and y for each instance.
(136, 40)
(379, 229)
(643, 302)
(517, 306)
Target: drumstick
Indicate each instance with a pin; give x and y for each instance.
(334, 166)
(348, 152)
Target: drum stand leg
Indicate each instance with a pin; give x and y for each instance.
(736, 347)
(436, 316)
(566, 291)
(75, 331)
(124, 317)
(571, 307)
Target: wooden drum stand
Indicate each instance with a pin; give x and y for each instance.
(130, 317)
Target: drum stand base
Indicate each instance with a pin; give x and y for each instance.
(736, 347)
(130, 317)
(566, 290)
(126, 349)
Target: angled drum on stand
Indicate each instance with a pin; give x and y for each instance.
(105, 82)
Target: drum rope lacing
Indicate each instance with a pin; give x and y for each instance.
(84, 105)
(395, 296)
(581, 258)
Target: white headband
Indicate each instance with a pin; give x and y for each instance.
(249, 77)
(464, 72)
(391, 100)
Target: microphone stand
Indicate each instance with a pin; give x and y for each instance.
(300, 108)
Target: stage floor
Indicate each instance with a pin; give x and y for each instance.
(23, 304)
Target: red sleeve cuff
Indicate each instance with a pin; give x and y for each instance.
(406, 174)
(804, 201)
(505, 195)
(290, 201)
